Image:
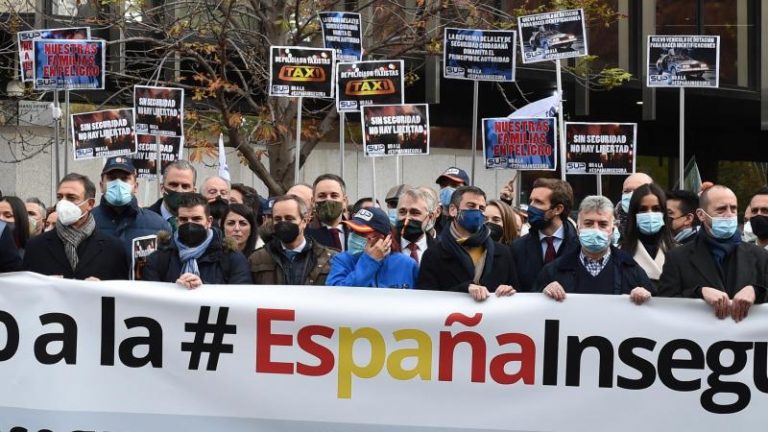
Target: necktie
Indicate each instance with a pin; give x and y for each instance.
(414, 248)
(550, 254)
(335, 242)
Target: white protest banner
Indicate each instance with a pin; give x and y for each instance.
(140, 356)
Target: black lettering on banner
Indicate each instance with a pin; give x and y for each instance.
(68, 339)
(761, 366)
(667, 363)
(741, 390)
(573, 360)
(646, 368)
(12, 336)
(107, 331)
(551, 348)
(153, 341)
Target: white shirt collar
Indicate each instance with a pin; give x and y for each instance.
(299, 248)
(559, 234)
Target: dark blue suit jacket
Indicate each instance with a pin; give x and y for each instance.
(529, 258)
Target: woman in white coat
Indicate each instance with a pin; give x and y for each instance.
(647, 236)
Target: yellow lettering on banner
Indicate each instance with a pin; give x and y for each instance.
(347, 365)
(422, 353)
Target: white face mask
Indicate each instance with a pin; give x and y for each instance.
(68, 212)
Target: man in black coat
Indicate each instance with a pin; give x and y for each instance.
(551, 234)
(596, 267)
(76, 249)
(196, 253)
(178, 177)
(717, 266)
(416, 212)
(329, 199)
(466, 259)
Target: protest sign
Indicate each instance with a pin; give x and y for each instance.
(520, 143)
(552, 35)
(396, 130)
(377, 82)
(27, 48)
(683, 61)
(301, 72)
(68, 64)
(600, 148)
(103, 133)
(479, 55)
(145, 159)
(342, 32)
(159, 110)
(157, 357)
(141, 249)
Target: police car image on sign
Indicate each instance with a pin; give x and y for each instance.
(552, 35)
(683, 61)
(301, 72)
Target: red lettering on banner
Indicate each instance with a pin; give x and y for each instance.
(265, 339)
(326, 356)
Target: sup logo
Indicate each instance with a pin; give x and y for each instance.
(302, 73)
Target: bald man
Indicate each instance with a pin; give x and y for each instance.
(717, 266)
(303, 191)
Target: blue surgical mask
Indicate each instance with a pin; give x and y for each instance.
(625, 199)
(356, 244)
(723, 227)
(392, 213)
(593, 240)
(615, 236)
(119, 193)
(471, 219)
(650, 223)
(445, 195)
(537, 218)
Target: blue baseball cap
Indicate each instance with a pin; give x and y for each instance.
(368, 220)
(120, 163)
(455, 174)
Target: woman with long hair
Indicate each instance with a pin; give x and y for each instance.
(14, 212)
(239, 224)
(647, 236)
(502, 221)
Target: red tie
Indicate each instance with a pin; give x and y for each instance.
(550, 254)
(335, 242)
(414, 251)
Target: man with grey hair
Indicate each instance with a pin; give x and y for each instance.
(415, 217)
(178, 177)
(290, 258)
(37, 213)
(596, 267)
(216, 190)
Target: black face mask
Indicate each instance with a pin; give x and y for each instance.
(218, 207)
(192, 234)
(411, 232)
(171, 200)
(759, 226)
(496, 231)
(286, 232)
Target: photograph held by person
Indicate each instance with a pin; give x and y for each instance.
(595, 267)
(290, 258)
(239, 224)
(76, 248)
(551, 234)
(414, 222)
(502, 222)
(466, 259)
(717, 266)
(647, 237)
(196, 253)
(681, 209)
(118, 214)
(372, 258)
(329, 201)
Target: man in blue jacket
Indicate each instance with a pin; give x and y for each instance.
(368, 260)
(118, 213)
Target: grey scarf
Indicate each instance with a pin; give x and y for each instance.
(72, 237)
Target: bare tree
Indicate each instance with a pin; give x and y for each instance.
(218, 51)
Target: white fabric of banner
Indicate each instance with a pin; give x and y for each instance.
(121, 356)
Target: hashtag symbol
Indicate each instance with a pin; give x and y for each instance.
(201, 329)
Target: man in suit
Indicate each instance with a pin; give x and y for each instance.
(76, 249)
(466, 259)
(178, 177)
(717, 266)
(416, 213)
(329, 199)
(551, 234)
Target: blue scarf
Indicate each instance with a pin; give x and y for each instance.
(189, 255)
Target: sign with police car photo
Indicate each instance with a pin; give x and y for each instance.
(683, 61)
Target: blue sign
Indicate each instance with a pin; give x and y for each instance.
(479, 55)
(342, 32)
(520, 143)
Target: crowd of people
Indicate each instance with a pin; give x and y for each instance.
(451, 238)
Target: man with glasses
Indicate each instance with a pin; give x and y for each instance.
(216, 190)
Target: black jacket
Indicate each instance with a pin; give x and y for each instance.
(627, 275)
(164, 264)
(321, 234)
(691, 266)
(441, 270)
(156, 207)
(100, 255)
(529, 259)
(10, 260)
